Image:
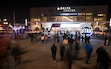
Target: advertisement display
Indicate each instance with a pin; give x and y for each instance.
(86, 29)
(82, 27)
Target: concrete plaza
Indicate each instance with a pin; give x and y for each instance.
(38, 55)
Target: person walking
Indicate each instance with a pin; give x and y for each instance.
(58, 38)
(105, 40)
(65, 42)
(54, 50)
(89, 49)
(62, 52)
(42, 38)
(71, 40)
(31, 37)
(103, 59)
(76, 49)
(69, 57)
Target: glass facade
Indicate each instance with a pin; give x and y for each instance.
(91, 14)
(79, 17)
(74, 13)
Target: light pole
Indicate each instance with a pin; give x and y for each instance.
(14, 18)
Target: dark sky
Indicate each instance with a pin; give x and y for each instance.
(21, 7)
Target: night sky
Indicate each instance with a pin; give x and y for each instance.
(21, 7)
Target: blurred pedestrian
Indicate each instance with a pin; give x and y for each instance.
(69, 57)
(42, 38)
(89, 49)
(71, 40)
(45, 37)
(54, 50)
(65, 41)
(62, 52)
(105, 40)
(103, 57)
(31, 37)
(76, 49)
(54, 37)
(58, 38)
(82, 38)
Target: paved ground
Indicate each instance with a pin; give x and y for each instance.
(38, 55)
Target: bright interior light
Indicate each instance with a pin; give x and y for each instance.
(1, 28)
(70, 25)
(15, 28)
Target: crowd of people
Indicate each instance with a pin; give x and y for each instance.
(70, 48)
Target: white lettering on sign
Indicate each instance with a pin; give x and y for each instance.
(86, 29)
(66, 9)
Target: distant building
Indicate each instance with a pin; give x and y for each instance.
(73, 13)
(96, 15)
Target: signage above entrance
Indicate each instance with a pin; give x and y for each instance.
(65, 9)
(66, 14)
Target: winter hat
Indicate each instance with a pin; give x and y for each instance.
(53, 43)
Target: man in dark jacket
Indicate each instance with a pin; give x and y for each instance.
(54, 50)
(71, 40)
(62, 50)
(103, 57)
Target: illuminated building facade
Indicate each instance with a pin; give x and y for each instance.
(96, 15)
(73, 13)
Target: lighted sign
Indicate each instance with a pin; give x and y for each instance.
(26, 22)
(69, 10)
(4, 19)
(5, 22)
(86, 29)
(65, 14)
(63, 8)
(66, 9)
(70, 25)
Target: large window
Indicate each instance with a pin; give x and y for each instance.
(65, 18)
(88, 13)
(81, 18)
(44, 19)
(89, 18)
(101, 14)
(81, 13)
(35, 19)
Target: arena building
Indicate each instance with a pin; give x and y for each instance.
(70, 18)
